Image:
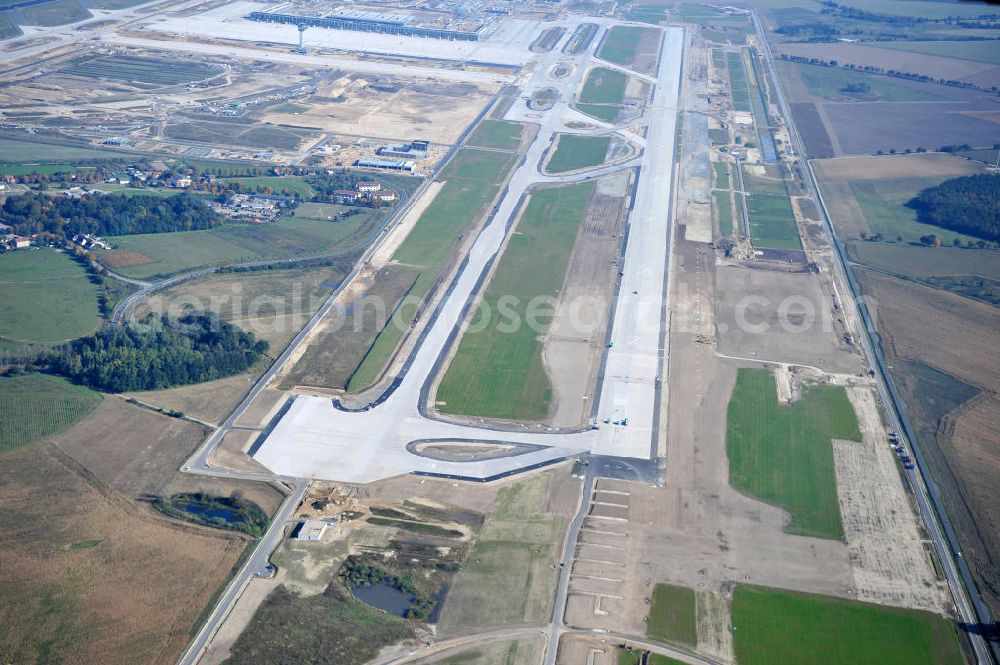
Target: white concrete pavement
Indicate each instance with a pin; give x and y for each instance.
(316, 440)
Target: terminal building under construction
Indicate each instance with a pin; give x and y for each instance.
(433, 25)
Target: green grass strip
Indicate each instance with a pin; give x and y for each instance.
(672, 616)
(497, 371)
(783, 454)
(773, 626)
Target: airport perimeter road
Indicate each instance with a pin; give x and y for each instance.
(256, 565)
(970, 607)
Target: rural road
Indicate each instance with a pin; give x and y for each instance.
(256, 565)
(970, 607)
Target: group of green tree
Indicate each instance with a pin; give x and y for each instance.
(106, 214)
(969, 204)
(157, 352)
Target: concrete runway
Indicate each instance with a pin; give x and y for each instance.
(316, 440)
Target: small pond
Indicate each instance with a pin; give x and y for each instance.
(210, 512)
(385, 597)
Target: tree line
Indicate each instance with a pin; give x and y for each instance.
(106, 214)
(969, 204)
(158, 352)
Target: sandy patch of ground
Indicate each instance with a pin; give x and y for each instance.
(231, 453)
(889, 551)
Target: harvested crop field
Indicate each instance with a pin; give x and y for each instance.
(90, 577)
(945, 372)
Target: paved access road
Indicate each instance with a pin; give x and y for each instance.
(970, 607)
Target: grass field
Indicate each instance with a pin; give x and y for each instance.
(49, 297)
(37, 406)
(772, 222)
(721, 175)
(770, 182)
(143, 70)
(578, 152)
(828, 83)
(672, 616)
(646, 13)
(510, 576)
(883, 203)
(773, 626)
(287, 185)
(152, 254)
(724, 208)
(620, 44)
(739, 86)
(497, 372)
(605, 112)
(13, 151)
(783, 455)
(604, 86)
(497, 134)
(55, 13)
(88, 575)
(472, 179)
(8, 28)
(919, 262)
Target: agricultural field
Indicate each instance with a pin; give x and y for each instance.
(472, 179)
(49, 297)
(496, 373)
(140, 69)
(766, 179)
(37, 406)
(772, 222)
(497, 134)
(782, 454)
(55, 13)
(146, 255)
(834, 83)
(92, 577)
(578, 152)
(773, 626)
(886, 183)
(918, 262)
(940, 348)
(672, 615)
(510, 575)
